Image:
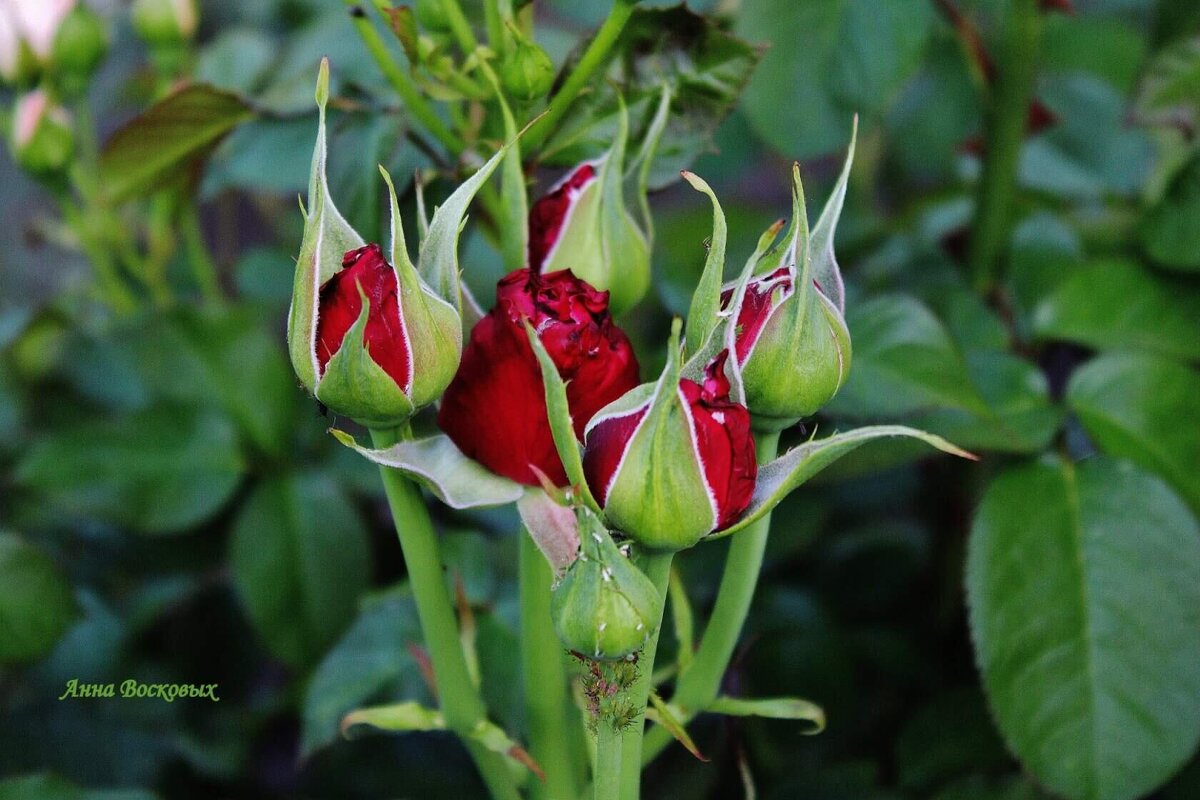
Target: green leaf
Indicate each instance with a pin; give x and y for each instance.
(406, 716)
(1169, 232)
(662, 714)
(36, 605)
(904, 362)
(559, 412)
(162, 470)
(1169, 93)
(783, 475)
(828, 59)
(1083, 584)
(1118, 304)
(369, 664)
(300, 563)
(47, 786)
(168, 139)
(684, 620)
(702, 66)
(442, 468)
(1020, 419)
(1143, 408)
(773, 708)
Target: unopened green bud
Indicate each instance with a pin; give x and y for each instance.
(42, 139)
(80, 45)
(163, 23)
(605, 607)
(527, 72)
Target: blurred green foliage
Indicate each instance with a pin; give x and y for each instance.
(172, 510)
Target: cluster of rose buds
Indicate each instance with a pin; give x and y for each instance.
(643, 467)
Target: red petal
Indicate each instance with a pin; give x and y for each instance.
(495, 408)
(606, 445)
(756, 309)
(726, 446)
(548, 214)
(340, 306)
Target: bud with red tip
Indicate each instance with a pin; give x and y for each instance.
(792, 344)
(42, 139)
(375, 338)
(495, 408)
(673, 461)
(583, 224)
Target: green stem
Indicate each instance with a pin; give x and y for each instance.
(545, 679)
(699, 685)
(402, 82)
(459, 26)
(593, 58)
(609, 741)
(657, 567)
(460, 701)
(1005, 123)
(204, 270)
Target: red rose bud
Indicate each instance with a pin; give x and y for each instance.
(673, 461)
(372, 340)
(582, 225)
(495, 408)
(792, 344)
(42, 140)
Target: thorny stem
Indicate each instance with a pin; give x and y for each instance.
(609, 740)
(699, 685)
(657, 567)
(545, 679)
(1005, 121)
(460, 701)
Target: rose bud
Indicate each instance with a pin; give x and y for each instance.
(495, 408)
(79, 46)
(582, 225)
(165, 23)
(527, 71)
(792, 345)
(604, 607)
(383, 350)
(672, 461)
(42, 139)
(372, 340)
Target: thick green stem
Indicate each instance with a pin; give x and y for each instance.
(402, 82)
(699, 685)
(657, 567)
(460, 701)
(545, 677)
(1005, 124)
(459, 26)
(609, 741)
(592, 59)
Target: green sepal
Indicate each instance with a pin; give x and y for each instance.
(432, 327)
(558, 412)
(354, 386)
(659, 496)
(605, 607)
(825, 270)
(793, 708)
(327, 237)
(438, 258)
(785, 474)
(705, 310)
